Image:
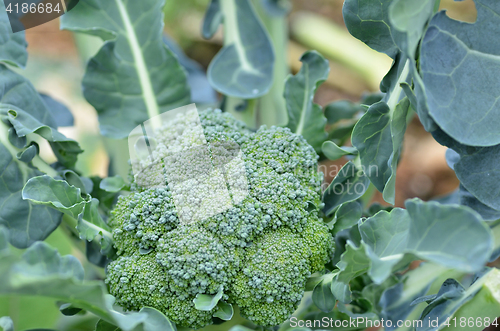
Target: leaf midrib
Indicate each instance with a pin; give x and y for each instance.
(140, 64)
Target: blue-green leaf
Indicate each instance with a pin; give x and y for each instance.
(61, 114)
(65, 149)
(27, 222)
(304, 116)
(460, 66)
(134, 76)
(322, 294)
(18, 91)
(368, 21)
(12, 45)
(244, 67)
(451, 235)
(347, 215)
(349, 184)
(212, 20)
(372, 138)
(385, 236)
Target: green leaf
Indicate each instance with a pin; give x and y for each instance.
(12, 45)
(347, 215)
(322, 294)
(207, 302)
(6, 323)
(57, 194)
(19, 92)
(224, 311)
(304, 116)
(368, 21)
(341, 110)
(353, 263)
(112, 184)
(134, 76)
(476, 168)
(90, 223)
(410, 17)
(372, 138)
(451, 235)
(349, 184)
(460, 68)
(385, 236)
(27, 222)
(398, 129)
(65, 149)
(334, 152)
(212, 20)
(244, 66)
(43, 272)
(61, 114)
(480, 175)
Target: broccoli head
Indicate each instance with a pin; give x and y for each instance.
(259, 237)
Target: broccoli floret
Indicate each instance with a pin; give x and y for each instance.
(138, 280)
(195, 261)
(258, 238)
(140, 219)
(272, 281)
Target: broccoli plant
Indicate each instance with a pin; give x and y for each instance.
(224, 217)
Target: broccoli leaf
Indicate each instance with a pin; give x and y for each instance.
(349, 184)
(322, 294)
(460, 68)
(410, 17)
(334, 152)
(385, 236)
(27, 222)
(57, 194)
(61, 114)
(368, 21)
(451, 235)
(68, 199)
(224, 311)
(112, 184)
(42, 270)
(378, 135)
(65, 149)
(18, 91)
(212, 20)
(12, 45)
(398, 129)
(372, 138)
(206, 301)
(346, 216)
(134, 76)
(244, 66)
(304, 116)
